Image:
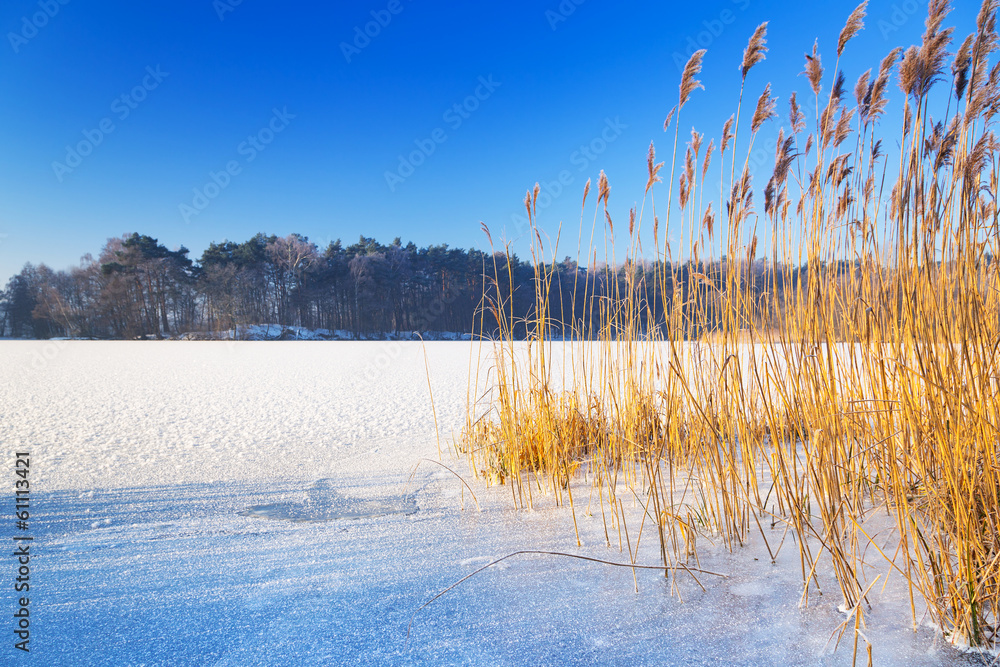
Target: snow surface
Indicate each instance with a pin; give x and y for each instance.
(251, 503)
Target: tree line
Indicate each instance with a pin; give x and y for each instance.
(138, 288)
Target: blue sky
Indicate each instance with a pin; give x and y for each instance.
(227, 118)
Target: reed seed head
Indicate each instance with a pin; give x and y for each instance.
(885, 67)
(653, 169)
(684, 189)
(986, 31)
(796, 118)
(756, 49)
(766, 109)
(689, 160)
(960, 68)
(727, 134)
(688, 81)
(708, 221)
(695, 143)
(708, 158)
(855, 24)
(862, 91)
(814, 69)
(670, 116)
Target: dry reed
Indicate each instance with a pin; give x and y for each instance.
(852, 371)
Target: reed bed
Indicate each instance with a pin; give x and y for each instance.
(850, 372)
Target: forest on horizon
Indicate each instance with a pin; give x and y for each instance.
(138, 288)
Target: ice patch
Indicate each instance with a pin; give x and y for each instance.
(323, 503)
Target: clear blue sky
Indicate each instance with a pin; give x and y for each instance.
(222, 69)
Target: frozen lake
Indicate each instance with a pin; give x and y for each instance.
(240, 503)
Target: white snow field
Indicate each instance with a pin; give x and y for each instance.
(249, 503)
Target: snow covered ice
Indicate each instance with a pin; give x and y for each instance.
(256, 503)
